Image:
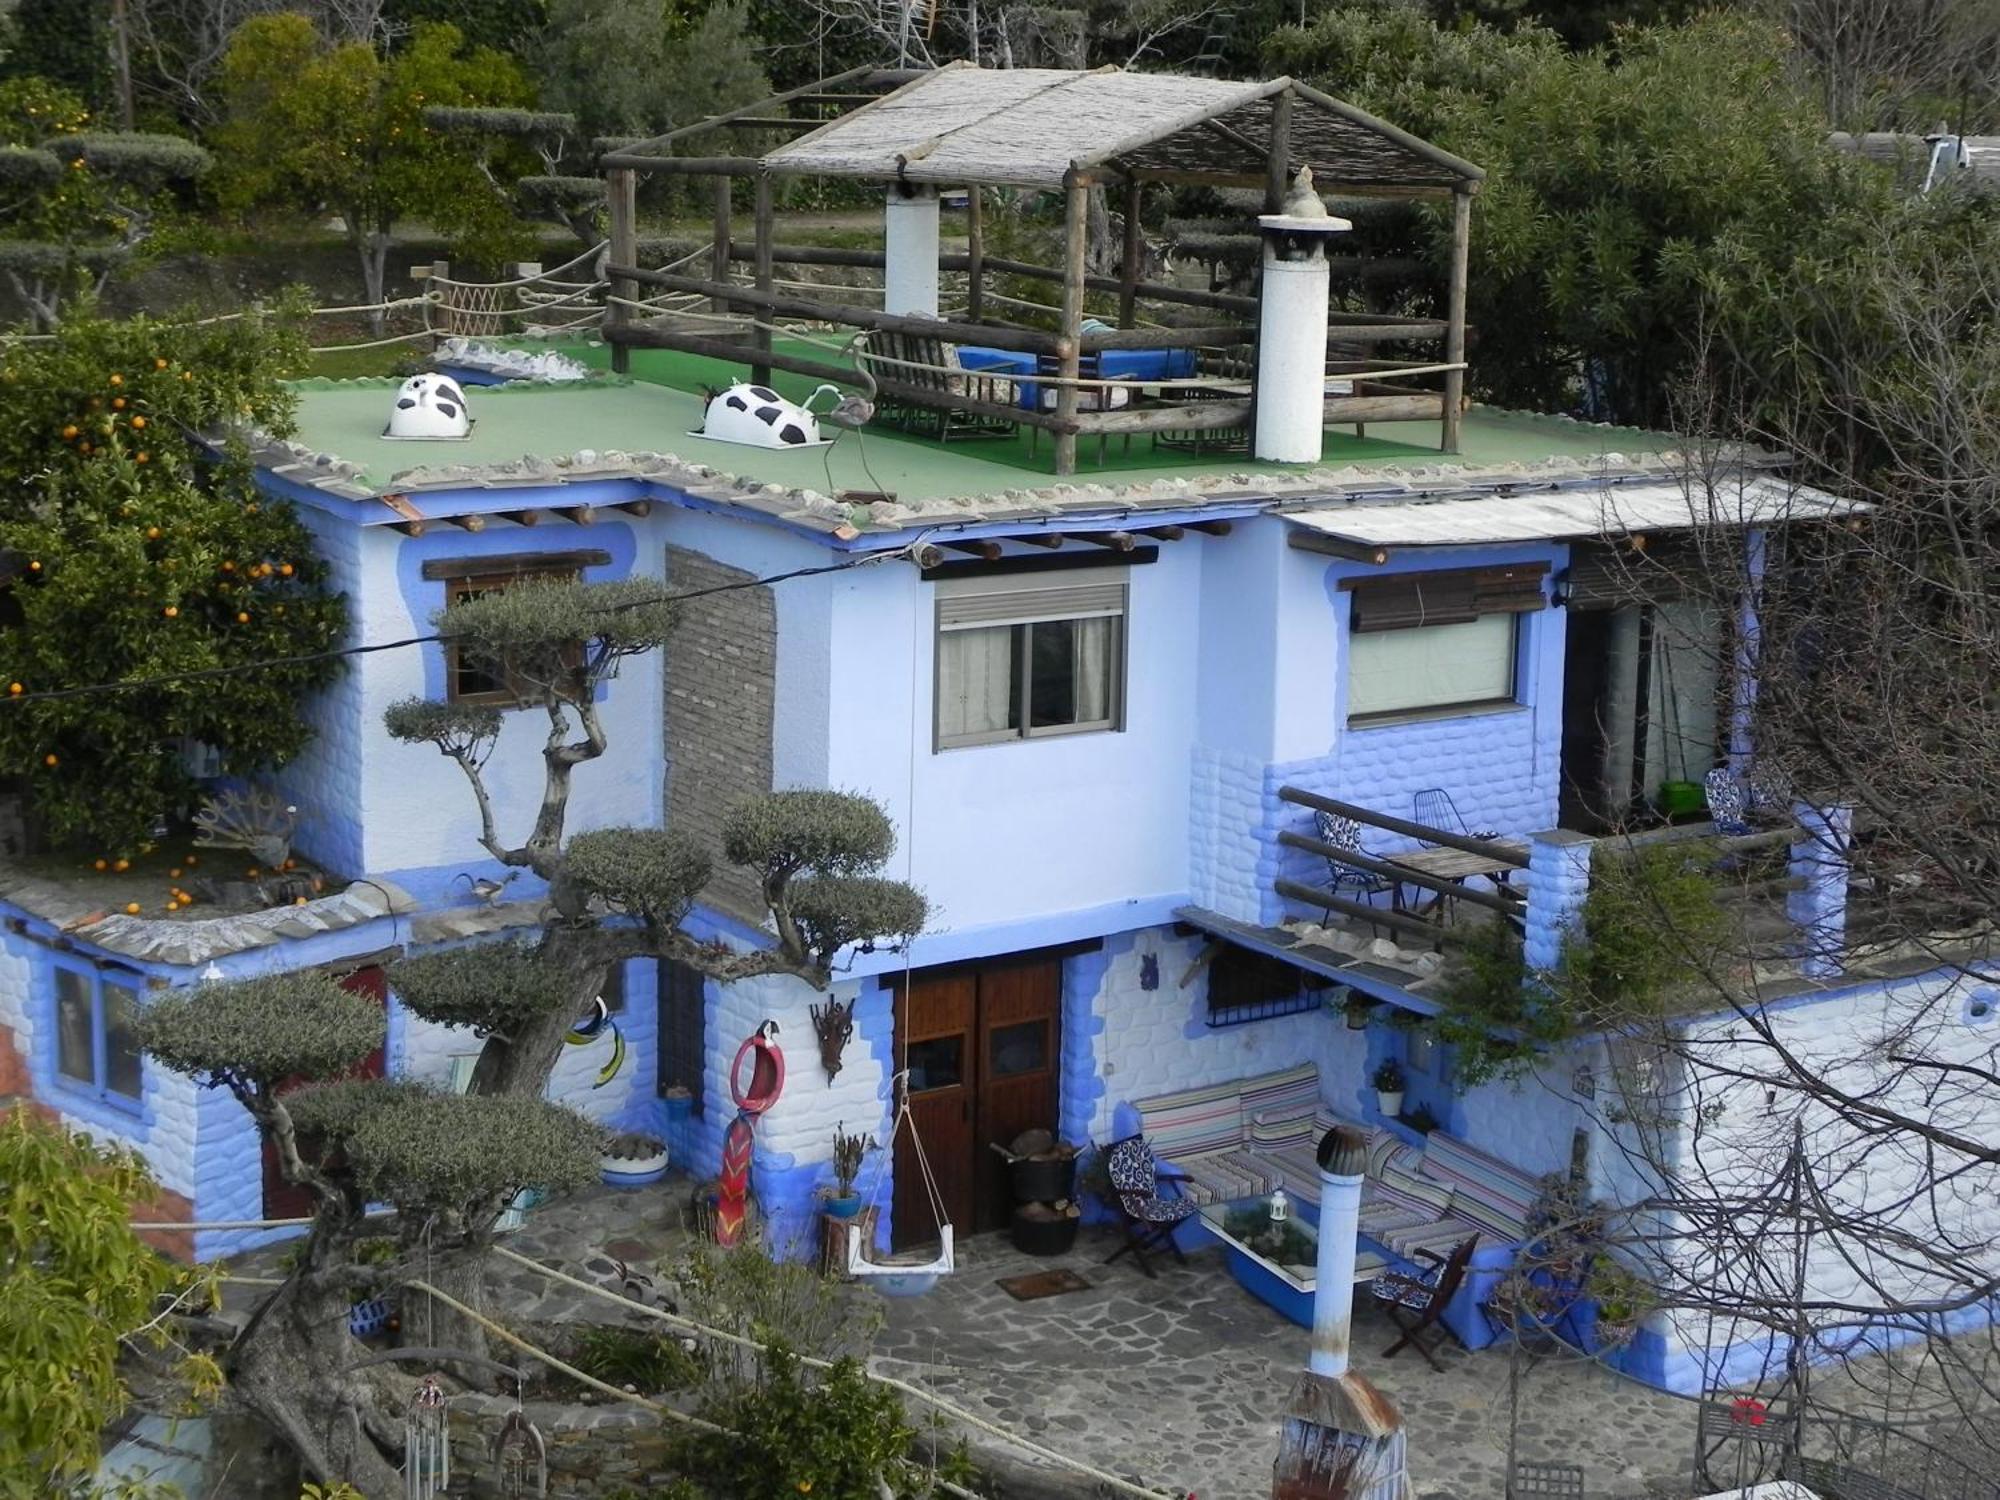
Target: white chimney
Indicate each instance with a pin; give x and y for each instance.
(910, 250)
(1291, 329)
(1343, 1159)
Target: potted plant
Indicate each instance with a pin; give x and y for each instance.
(633, 1159)
(1358, 1010)
(1389, 1083)
(848, 1151)
(1622, 1301)
(1421, 1119)
(680, 1102)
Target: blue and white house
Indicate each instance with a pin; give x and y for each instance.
(1102, 714)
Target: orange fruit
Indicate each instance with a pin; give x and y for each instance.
(101, 864)
(228, 567)
(187, 374)
(117, 379)
(242, 618)
(83, 447)
(192, 860)
(286, 569)
(175, 873)
(69, 432)
(159, 364)
(118, 403)
(142, 455)
(171, 612)
(16, 689)
(131, 908)
(49, 760)
(121, 865)
(138, 423)
(34, 567)
(152, 532)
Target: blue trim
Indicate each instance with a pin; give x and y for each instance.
(120, 1111)
(949, 946)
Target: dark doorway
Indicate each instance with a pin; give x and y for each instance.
(1595, 794)
(981, 1042)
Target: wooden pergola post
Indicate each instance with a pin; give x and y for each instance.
(1128, 260)
(1278, 162)
(760, 369)
(622, 190)
(718, 244)
(975, 256)
(1454, 338)
(1069, 363)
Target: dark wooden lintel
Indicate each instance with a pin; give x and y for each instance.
(1117, 541)
(1049, 539)
(1333, 546)
(583, 515)
(467, 523)
(635, 507)
(1211, 528)
(1165, 533)
(408, 528)
(986, 548)
(437, 569)
(522, 517)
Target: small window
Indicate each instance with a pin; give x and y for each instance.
(1020, 1048)
(1246, 986)
(1018, 658)
(938, 1063)
(682, 1003)
(471, 679)
(1467, 664)
(97, 1048)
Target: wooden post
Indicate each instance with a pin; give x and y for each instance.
(975, 257)
(1076, 224)
(1454, 338)
(1128, 263)
(1278, 165)
(718, 253)
(622, 189)
(760, 371)
(441, 315)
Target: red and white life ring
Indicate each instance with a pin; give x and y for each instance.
(767, 1073)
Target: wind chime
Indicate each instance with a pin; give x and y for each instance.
(520, 1456)
(426, 1442)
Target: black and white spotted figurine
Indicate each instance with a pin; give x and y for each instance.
(429, 406)
(760, 417)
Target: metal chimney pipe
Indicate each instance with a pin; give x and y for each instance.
(1343, 1160)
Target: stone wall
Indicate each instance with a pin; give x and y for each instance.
(721, 677)
(593, 1451)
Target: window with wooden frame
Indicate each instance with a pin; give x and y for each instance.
(683, 1029)
(96, 1026)
(1027, 656)
(470, 680)
(1244, 985)
(1447, 641)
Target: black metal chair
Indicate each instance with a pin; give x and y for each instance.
(1416, 1302)
(1343, 833)
(1435, 809)
(1150, 1216)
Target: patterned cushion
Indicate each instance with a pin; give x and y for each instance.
(1275, 1132)
(1162, 1210)
(1498, 1197)
(1224, 1175)
(1419, 1189)
(1295, 1091)
(1295, 1169)
(1440, 1237)
(1193, 1122)
(1385, 1145)
(1406, 1290)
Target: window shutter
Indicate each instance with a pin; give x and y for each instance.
(1512, 590)
(1079, 601)
(1446, 597)
(1605, 577)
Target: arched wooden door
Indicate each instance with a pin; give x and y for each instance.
(287, 1200)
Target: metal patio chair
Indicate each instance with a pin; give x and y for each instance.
(1344, 833)
(1728, 807)
(1416, 1302)
(1150, 1216)
(1435, 809)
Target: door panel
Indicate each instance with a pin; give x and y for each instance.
(935, 1027)
(289, 1200)
(1020, 1008)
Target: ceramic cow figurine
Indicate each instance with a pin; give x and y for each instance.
(429, 406)
(760, 417)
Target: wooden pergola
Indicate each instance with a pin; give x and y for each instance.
(1064, 132)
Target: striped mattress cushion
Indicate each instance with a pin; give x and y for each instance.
(1290, 1094)
(1440, 1236)
(1221, 1176)
(1418, 1189)
(1486, 1190)
(1193, 1122)
(1277, 1132)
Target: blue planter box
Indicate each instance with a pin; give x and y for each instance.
(1270, 1286)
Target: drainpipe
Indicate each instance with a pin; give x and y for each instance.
(1343, 1159)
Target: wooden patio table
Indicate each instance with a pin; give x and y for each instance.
(1457, 866)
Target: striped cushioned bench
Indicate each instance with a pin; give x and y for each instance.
(1485, 1191)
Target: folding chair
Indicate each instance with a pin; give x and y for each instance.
(1344, 834)
(1728, 808)
(1415, 1303)
(1150, 1217)
(1435, 809)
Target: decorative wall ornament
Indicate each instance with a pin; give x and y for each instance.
(834, 1024)
(251, 819)
(1149, 972)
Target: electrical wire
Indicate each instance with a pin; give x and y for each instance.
(210, 674)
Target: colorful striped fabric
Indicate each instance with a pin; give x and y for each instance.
(1222, 1176)
(1485, 1189)
(1418, 1188)
(1193, 1121)
(1290, 1094)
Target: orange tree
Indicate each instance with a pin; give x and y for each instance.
(130, 553)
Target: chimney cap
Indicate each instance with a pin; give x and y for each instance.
(1302, 224)
(1343, 1152)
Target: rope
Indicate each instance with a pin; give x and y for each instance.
(949, 1408)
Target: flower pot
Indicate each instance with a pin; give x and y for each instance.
(634, 1171)
(1389, 1102)
(1042, 1179)
(680, 1104)
(1040, 1230)
(1680, 799)
(368, 1318)
(844, 1206)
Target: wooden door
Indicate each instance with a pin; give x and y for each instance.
(289, 1200)
(936, 1033)
(1020, 1009)
(981, 1044)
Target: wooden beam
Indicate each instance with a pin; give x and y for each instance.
(437, 569)
(982, 547)
(760, 338)
(1128, 259)
(1454, 339)
(925, 555)
(865, 75)
(1076, 231)
(582, 515)
(1411, 408)
(1165, 533)
(622, 190)
(467, 523)
(682, 166)
(521, 517)
(975, 254)
(1354, 859)
(1381, 916)
(718, 238)
(1302, 540)
(1512, 855)
(1049, 539)
(408, 528)
(639, 508)
(1278, 162)
(1212, 528)
(1167, 338)
(1116, 541)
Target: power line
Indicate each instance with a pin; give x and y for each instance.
(210, 674)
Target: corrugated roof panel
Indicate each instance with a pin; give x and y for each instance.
(1550, 515)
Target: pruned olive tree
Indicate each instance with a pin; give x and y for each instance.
(450, 1164)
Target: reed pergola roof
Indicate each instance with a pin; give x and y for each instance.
(1035, 127)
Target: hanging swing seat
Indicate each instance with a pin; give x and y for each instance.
(904, 1274)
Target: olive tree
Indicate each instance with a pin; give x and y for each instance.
(450, 1164)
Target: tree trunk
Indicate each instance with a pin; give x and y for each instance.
(372, 246)
(521, 1062)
